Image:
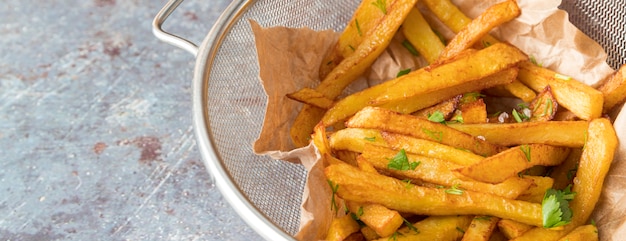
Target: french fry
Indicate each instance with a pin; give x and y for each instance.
(514, 89)
(512, 229)
(466, 68)
(357, 140)
(359, 186)
(476, 29)
(582, 233)
(469, 68)
(509, 163)
(311, 97)
(351, 68)
(614, 89)
(593, 167)
(446, 107)
(583, 100)
(433, 228)
(378, 118)
(369, 233)
(473, 112)
(441, 172)
(480, 229)
(556, 133)
(382, 220)
(421, 36)
(418, 102)
(341, 228)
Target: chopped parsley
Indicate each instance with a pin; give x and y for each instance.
(410, 47)
(370, 139)
(562, 77)
(410, 226)
(455, 190)
(403, 72)
(526, 150)
(460, 229)
(486, 44)
(358, 27)
(519, 116)
(555, 208)
(382, 5)
(534, 61)
(437, 117)
(401, 162)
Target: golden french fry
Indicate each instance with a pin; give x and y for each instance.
(583, 100)
(418, 32)
(351, 68)
(544, 106)
(512, 229)
(556, 133)
(476, 29)
(418, 102)
(587, 232)
(369, 233)
(433, 228)
(378, 118)
(509, 163)
(440, 172)
(614, 89)
(311, 97)
(480, 229)
(593, 167)
(381, 219)
(465, 68)
(341, 228)
(356, 185)
(537, 191)
(473, 112)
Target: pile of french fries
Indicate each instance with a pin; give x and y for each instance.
(424, 156)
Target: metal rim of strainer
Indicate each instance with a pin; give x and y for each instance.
(205, 55)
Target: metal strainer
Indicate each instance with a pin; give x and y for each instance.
(229, 102)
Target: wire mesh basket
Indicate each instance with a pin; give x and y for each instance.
(229, 101)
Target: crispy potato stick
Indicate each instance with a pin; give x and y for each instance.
(418, 102)
(342, 227)
(430, 149)
(364, 165)
(373, 117)
(311, 97)
(582, 233)
(509, 163)
(466, 68)
(556, 133)
(351, 68)
(514, 89)
(544, 106)
(356, 185)
(494, 16)
(480, 229)
(473, 112)
(365, 18)
(418, 32)
(512, 229)
(583, 100)
(564, 174)
(355, 139)
(452, 17)
(382, 220)
(614, 89)
(441, 172)
(369, 233)
(433, 228)
(593, 167)
(536, 191)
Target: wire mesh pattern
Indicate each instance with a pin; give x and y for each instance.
(236, 101)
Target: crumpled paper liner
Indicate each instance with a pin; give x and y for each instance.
(289, 60)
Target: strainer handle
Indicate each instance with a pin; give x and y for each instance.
(168, 37)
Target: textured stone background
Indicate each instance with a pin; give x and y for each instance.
(96, 139)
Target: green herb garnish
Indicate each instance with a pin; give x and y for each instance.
(455, 190)
(333, 203)
(403, 72)
(562, 77)
(526, 150)
(370, 139)
(555, 208)
(410, 226)
(436, 135)
(401, 162)
(382, 5)
(410, 47)
(437, 117)
(358, 27)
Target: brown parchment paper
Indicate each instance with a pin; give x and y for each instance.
(289, 59)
